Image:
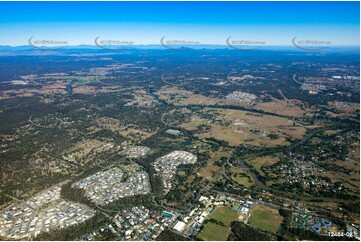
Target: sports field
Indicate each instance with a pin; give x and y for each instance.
(213, 232)
(224, 215)
(265, 218)
(216, 232)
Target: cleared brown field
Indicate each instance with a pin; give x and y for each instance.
(209, 171)
(238, 127)
(281, 107)
(178, 97)
(58, 87)
(82, 151)
(136, 133)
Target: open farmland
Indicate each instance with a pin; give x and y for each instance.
(242, 127)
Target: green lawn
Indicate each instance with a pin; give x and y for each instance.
(213, 232)
(224, 214)
(265, 218)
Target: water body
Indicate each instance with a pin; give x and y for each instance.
(187, 142)
(69, 89)
(150, 91)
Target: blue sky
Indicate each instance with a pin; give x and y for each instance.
(276, 23)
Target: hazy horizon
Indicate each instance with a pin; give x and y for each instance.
(211, 23)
